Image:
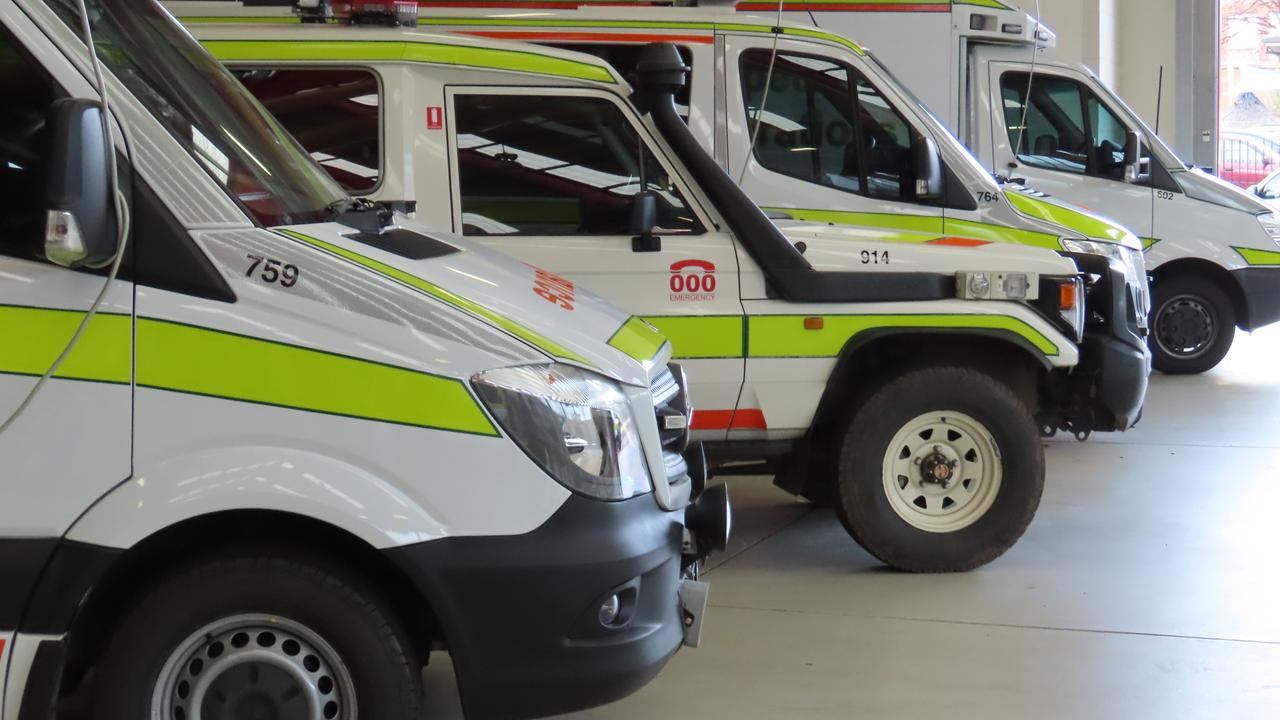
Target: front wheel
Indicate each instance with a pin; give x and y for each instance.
(258, 636)
(1193, 325)
(941, 471)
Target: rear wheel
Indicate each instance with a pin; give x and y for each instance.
(252, 637)
(941, 471)
(1193, 325)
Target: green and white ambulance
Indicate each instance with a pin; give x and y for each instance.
(265, 446)
(910, 378)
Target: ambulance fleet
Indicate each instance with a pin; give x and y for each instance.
(342, 333)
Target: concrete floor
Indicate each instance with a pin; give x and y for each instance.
(1147, 587)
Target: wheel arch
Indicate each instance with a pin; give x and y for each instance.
(1199, 267)
(872, 358)
(88, 616)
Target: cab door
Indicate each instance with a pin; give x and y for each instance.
(73, 441)
(830, 145)
(557, 177)
(1072, 145)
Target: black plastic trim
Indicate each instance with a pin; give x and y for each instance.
(1260, 287)
(21, 562)
(73, 570)
(40, 691)
(163, 255)
(405, 243)
(519, 612)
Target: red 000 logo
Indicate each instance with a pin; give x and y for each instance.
(693, 280)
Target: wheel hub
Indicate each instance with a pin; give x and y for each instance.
(942, 471)
(254, 667)
(1185, 326)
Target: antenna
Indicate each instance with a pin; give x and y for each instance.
(1159, 98)
(1031, 76)
(764, 97)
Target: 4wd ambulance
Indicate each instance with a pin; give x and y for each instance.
(1211, 248)
(300, 441)
(909, 377)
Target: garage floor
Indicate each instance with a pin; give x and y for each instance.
(1147, 586)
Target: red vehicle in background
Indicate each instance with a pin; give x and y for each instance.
(1245, 159)
(359, 12)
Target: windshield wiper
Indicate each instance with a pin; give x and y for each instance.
(360, 213)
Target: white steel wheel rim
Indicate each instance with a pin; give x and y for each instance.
(942, 471)
(309, 679)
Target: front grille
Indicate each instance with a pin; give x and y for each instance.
(671, 404)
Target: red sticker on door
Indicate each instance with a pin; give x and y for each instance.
(435, 117)
(692, 281)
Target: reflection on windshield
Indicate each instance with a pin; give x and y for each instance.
(242, 147)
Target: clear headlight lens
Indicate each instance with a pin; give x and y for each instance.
(578, 427)
(1271, 225)
(1135, 267)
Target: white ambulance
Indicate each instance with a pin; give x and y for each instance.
(909, 377)
(265, 446)
(1211, 248)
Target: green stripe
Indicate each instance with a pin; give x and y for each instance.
(1148, 243)
(1258, 257)
(701, 337)
(638, 340)
(920, 229)
(33, 338)
(398, 51)
(784, 336)
(533, 338)
(1089, 226)
(184, 358)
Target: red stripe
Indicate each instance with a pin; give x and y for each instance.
(846, 7)
(744, 419)
(585, 36)
(1, 648)
(537, 4)
(959, 242)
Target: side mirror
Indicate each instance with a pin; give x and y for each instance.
(644, 216)
(929, 175)
(80, 225)
(1136, 168)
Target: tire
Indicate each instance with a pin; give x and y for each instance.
(994, 485)
(1193, 325)
(192, 637)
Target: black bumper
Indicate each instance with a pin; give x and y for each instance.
(1106, 391)
(521, 613)
(1260, 287)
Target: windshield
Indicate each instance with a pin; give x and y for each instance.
(241, 146)
(1162, 152)
(941, 132)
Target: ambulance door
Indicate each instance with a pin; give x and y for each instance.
(73, 441)
(557, 178)
(1072, 145)
(830, 145)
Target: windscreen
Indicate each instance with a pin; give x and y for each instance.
(223, 127)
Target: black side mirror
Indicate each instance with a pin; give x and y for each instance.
(644, 216)
(929, 175)
(1136, 168)
(80, 225)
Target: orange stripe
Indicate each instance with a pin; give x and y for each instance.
(959, 242)
(744, 419)
(585, 36)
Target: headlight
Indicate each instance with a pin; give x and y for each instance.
(1135, 267)
(578, 426)
(1270, 225)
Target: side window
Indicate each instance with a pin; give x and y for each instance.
(824, 123)
(1068, 128)
(28, 92)
(623, 58)
(334, 113)
(557, 165)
